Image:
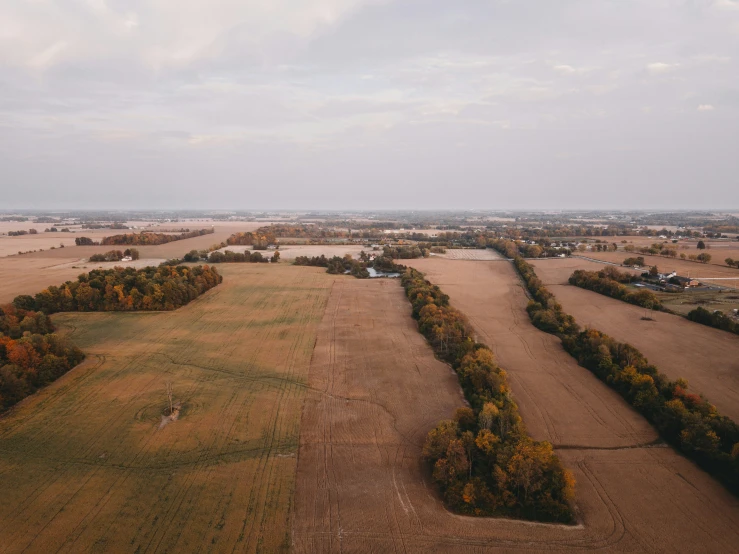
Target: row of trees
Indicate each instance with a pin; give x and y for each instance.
(31, 355)
(85, 241)
(146, 238)
(259, 239)
(116, 255)
(483, 460)
(336, 265)
(683, 419)
(407, 252)
(22, 232)
(732, 262)
(230, 257)
(716, 319)
(151, 288)
(608, 282)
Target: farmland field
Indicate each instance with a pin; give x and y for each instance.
(706, 357)
(86, 465)
(633, 493)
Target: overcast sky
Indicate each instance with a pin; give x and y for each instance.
(369, 103)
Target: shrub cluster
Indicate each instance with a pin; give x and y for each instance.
(639, 260)
(608, 282)
(483, 460)
(31, 355)
(336, 265)
(717, 319)
(247, 257)
(685, 420)
(118, 289)
(85, 241)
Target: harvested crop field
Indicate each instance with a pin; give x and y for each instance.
(87, 464)
(633, 493)
(708, 358)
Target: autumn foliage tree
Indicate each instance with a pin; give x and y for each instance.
(483, 460)
(147, 238)
(118, 289)
(31, 355)
(684, 419)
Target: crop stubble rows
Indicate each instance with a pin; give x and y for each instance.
(708, 358)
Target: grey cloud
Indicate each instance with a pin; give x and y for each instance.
(427, 103)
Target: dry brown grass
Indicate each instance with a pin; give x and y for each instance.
(85, 467)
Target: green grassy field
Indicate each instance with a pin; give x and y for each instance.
(86, 465)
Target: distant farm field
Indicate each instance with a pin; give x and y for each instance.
(86, 464)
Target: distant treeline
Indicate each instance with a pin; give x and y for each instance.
(685, 420)
(230, 257)
(146, 238)
(483, 460)
(118, 289)
(31, 355)
(511, 249)
(608, 282)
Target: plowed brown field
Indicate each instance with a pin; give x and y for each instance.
(708, 358)
(85, 465)
(361, 488)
